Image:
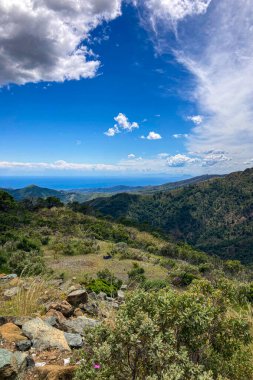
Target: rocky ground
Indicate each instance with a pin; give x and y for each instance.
(45, 346)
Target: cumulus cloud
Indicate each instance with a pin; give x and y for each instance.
(197, 119)
(42, 40)
(131, 155)
(180, 160)
(123, 124)
(153, 136)
(180, 135)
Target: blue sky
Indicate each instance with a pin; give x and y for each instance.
(144, 92)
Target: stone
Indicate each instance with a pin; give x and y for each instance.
(19, 321)
(11, 333)
(79, 325)
(8, 276)
(74, 340)
(12, 364)
(56, 314)
(121, 295)
(52, 321)
(63, 307)
(123, 288)
(93, 295)
(9, 293)
(90, 308)
(110, 299)
(102, 296)
(45, 336)
(115, 305)
(55, 372)
(77, 297)
(78, 312)
(72, 289)
(24, 345)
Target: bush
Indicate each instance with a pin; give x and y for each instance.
(154, 284)
(136, 274)
(184, 275)
(170, 335)
(109, 277)
(98, 285)
(26, 263)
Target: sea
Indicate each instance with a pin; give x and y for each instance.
(69, 183)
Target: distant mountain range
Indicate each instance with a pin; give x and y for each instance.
(83, 195)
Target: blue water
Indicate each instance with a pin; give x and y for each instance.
(66, 183)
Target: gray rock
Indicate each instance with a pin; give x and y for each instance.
(121, 295)
(52, 321)
(115, 305)
(93, 296)
(101, 296)
(74, 340)
(9, 293)
(110, 299)
(44, 336)
(24, 345)
(77, 297)
(19, 321)
(123, 288)
(9, 276)
(12, 364)
(79, 325)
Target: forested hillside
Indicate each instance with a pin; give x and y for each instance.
(215, 216)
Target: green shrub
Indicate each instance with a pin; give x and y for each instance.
(109, 278)
(136, 274)
(26, 263)
(154, 284)
(169, 335)
(98, 285)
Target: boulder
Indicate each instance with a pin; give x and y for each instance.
(101, 296)
(24, 345)
(11, 333)
(9, 293)
(77, 297)
(8, 276)
(55, 372)
(78, 312)
(121, 295)
(45, 336)
(54, 313)
(74, 340)
(12, 365)
(63, 307)
(79, 325)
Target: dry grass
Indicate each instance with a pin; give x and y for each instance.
(29, 299)
(78, 266)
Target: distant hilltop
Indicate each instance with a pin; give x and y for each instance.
(85, 194)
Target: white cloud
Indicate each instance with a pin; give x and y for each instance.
(153, 136)
(217, 49)
(197, 119)
(173, 10)
(123, 124)
(163, 155)
(180, 135)
(41, 40)
(180, 160)
(131, 155)
(112, 132)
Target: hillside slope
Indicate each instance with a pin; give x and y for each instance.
(215, 215)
